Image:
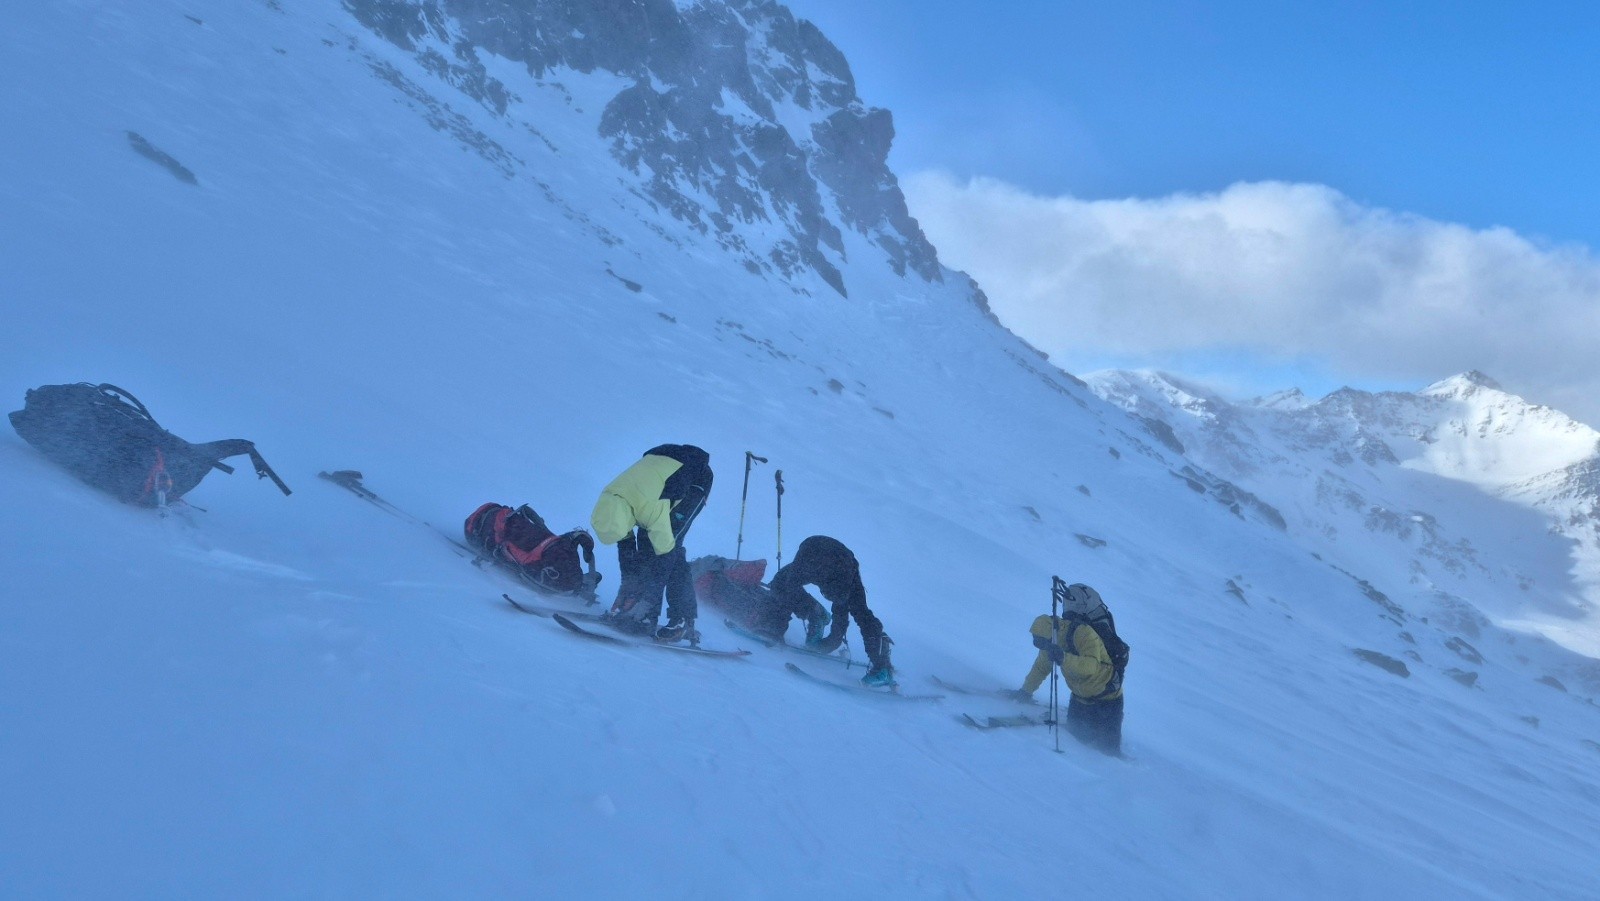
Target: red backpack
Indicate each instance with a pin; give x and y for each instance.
(519, 540)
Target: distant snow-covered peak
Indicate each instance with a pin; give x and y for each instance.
(1287, 399)
(1151, 392)
(1467, 383)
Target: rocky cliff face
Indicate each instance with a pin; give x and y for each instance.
(735, 117)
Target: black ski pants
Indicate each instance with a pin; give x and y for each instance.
(1097, 724)
(646, 576)
(826, 563)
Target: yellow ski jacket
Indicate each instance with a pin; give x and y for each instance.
(634, 499)
(1085, 662)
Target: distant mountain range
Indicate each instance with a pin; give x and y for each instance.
(1464, 489)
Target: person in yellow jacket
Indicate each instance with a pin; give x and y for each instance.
(1094, 713)
(646, 512)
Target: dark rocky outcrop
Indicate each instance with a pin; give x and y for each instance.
(705, 122)
(1383, 661)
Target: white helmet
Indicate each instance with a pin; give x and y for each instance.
(1083, 600)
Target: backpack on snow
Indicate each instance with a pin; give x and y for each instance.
(734, 587)
(104, 436)
(1106, 627)
(519, 539)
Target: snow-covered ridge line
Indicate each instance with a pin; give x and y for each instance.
(1383, 463)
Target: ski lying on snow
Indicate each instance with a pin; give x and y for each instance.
(599, 619)
(571, 626)
(351, 479)
(551, 611)
(859, 689)
(741, 631)
(981, 692)
(1001, 722)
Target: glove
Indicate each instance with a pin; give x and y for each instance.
(1025, 697)
(1051, 648)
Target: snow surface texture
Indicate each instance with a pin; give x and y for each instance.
(321, 242)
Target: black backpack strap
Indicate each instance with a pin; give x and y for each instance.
(123, 395)
(585, 545)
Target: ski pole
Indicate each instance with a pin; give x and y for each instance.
(778, 478)
(1057, 588)
(743, 496)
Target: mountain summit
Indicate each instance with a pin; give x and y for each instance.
(1465, 383)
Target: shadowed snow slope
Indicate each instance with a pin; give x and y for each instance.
(332, 244)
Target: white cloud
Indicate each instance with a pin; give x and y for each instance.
(1281, 271)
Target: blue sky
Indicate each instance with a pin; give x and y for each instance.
(1466, 122)
(1478, 113)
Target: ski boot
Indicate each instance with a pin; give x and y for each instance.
(880, 677)
(882, 673)
(677, 630)
(817, 629)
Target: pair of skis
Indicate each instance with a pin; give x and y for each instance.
(565, 619)
(770, 642)
(990, 722)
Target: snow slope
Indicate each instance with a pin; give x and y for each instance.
(303, 696)
(1466, 492)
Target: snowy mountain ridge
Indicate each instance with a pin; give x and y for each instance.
(742, 121)
(1360, 460)
(427, 240)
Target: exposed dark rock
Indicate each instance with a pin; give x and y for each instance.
(631, 285)
(1469, 679)
(1089, 541)
(1236, 499)
(700, 118)
(1381, 599)
(1382, 661)
(1233, 588)
(1553, 682)
(442, 118)
(1465, 651)
(152, 153)
(1162, 432)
